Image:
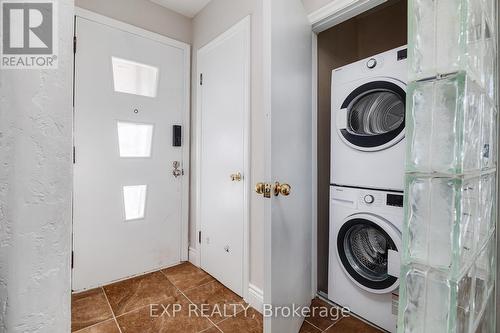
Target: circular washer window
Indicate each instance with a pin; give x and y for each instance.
(363, 247)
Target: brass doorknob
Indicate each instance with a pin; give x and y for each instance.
(264, 189)
(236, 177)
(283, 189)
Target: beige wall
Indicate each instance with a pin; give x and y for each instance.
(214, 19)
(313, 5)
(378, 30)
(144, 14)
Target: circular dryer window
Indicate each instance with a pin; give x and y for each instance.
(363, 248)
(375, 115)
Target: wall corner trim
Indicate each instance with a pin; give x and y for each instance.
(337, 12)
(255, 297)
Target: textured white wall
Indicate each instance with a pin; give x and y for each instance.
(498, 191)
(143, 14)
(35, 192)
(214, 19)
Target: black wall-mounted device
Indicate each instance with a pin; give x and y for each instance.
(177, 136)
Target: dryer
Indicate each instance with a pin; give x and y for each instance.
(368, 122)
(364, 255)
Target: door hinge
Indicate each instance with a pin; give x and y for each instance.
(72, 259)
(74, 44)
(74, 155)
(199, 237)
(201, 79)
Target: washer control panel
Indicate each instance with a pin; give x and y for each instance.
(376, 199)
(385, 203)
(369, 199)
(395, 200)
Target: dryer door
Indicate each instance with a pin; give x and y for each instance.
(367, 247)
(372, 116)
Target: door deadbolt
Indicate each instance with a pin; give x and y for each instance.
(283, 189)
(263, 189)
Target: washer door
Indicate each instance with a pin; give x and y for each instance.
(372, 117)
(363, 245)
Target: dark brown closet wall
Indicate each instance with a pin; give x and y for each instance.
(378, 30)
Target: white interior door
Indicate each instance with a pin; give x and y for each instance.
(223, 113)
(128, 205)
(288, 225)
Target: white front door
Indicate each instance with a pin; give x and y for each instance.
(223, 98)
(128, 205)
(288, 224)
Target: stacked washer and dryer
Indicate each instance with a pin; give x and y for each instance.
(366, 193)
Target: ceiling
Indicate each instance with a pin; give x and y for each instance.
(187, 8)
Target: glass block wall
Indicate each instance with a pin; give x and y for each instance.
(449, 237)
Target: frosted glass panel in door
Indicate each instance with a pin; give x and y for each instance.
(131, 77)
(135, 139)
(134, 201)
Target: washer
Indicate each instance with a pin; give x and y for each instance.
(368, 122)
(364, 256)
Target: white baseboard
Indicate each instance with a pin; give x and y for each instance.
(193, 256)
(255, 297)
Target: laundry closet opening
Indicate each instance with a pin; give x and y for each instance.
(378, 37)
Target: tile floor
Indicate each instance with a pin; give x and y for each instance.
(334, 323)
(126, 307)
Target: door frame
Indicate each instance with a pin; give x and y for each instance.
(186, 49)
(323, 19)
(245, 26)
